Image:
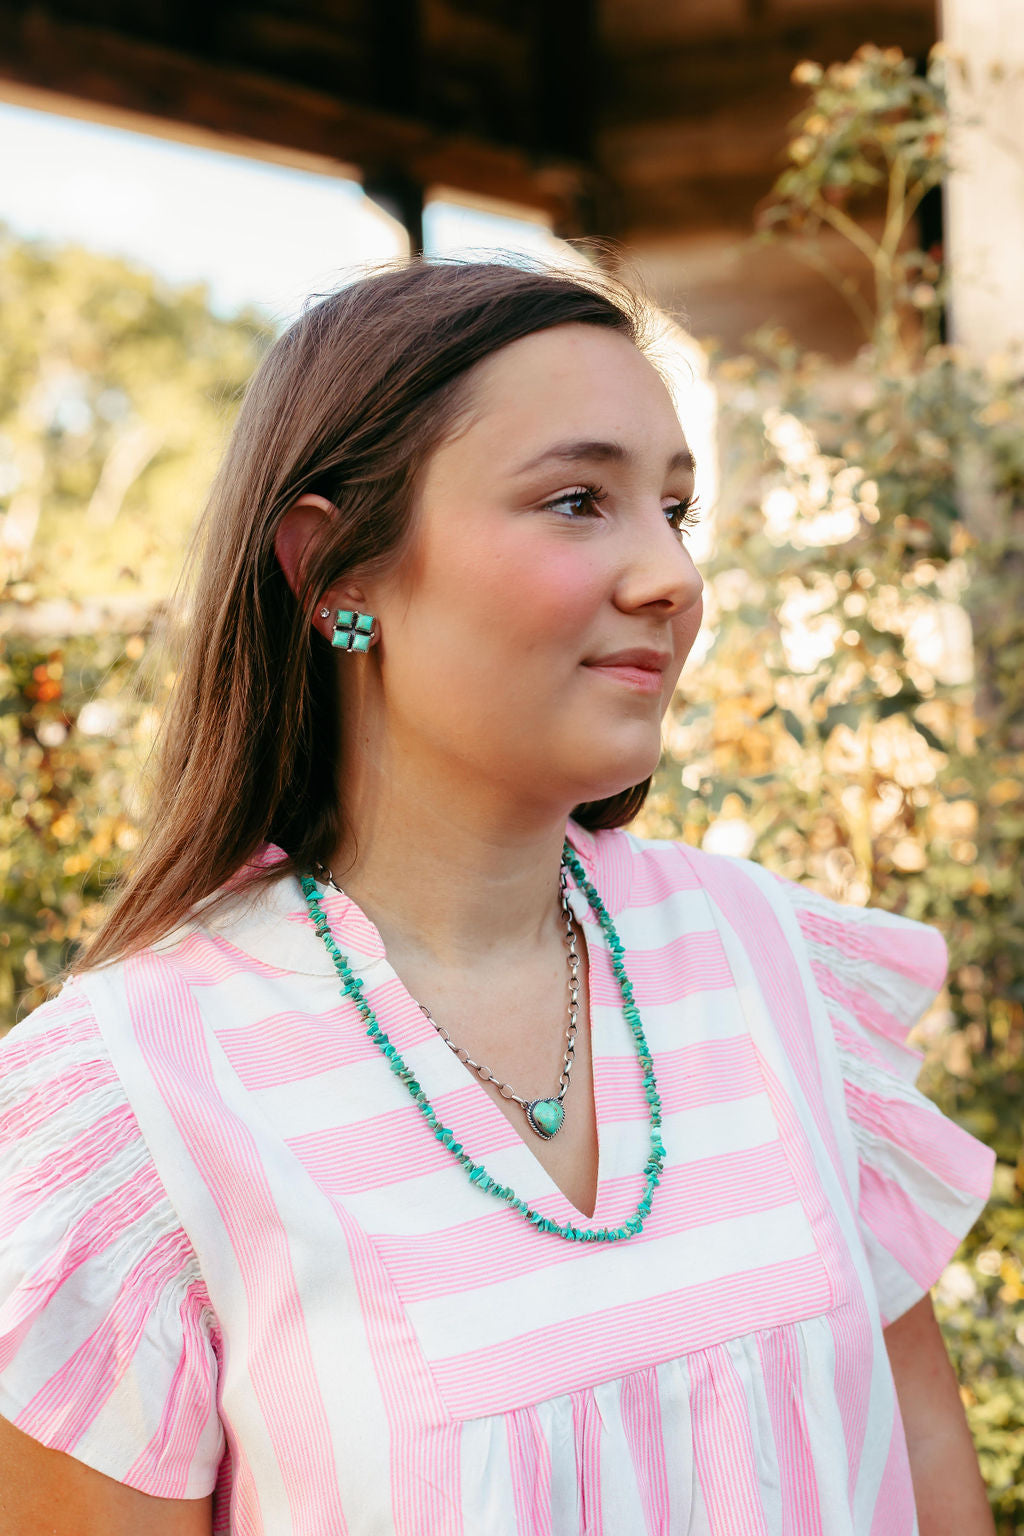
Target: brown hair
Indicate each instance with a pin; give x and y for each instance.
(349, 402)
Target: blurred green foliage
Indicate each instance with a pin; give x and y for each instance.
(71, 751)
(857, 722)
(116, 394)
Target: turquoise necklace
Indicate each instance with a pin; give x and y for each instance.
(352, 987)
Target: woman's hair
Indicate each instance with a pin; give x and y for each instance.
(349, 403)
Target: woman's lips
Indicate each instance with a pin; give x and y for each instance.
(643, 671)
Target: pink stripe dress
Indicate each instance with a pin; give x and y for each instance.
(234, 1257)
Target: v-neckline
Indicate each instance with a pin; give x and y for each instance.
(543, 1186)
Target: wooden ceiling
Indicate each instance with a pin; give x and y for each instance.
(635, 119)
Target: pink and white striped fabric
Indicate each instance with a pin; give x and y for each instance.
(233, 1257)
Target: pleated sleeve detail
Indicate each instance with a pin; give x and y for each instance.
(108, 1345)
(923, 1180)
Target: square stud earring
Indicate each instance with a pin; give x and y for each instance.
(354, 631)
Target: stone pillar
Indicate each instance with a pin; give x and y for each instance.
(985, 194)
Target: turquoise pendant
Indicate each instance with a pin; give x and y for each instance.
(545, 1117)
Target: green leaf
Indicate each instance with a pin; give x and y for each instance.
(929, 736)
(793, 726)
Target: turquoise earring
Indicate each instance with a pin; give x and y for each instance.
(354, 631)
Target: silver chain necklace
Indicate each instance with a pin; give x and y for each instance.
(544, 1116)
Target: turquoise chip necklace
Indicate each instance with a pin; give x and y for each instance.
(352, 987)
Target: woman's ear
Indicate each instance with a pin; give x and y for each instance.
(297, 529)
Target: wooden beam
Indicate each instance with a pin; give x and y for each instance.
(629, 26)
(107, 76)
(689, 79)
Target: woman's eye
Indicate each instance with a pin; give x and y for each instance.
(583, 495)
(684, 514)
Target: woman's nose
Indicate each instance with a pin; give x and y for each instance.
(659, 571)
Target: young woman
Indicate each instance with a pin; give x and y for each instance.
(416, 1150)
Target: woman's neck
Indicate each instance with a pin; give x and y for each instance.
(450, 875)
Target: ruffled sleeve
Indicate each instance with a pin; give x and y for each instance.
(923, 1180)
(108, 1345)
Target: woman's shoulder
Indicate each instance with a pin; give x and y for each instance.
(629, 870)
(634, 865)
(63, 1048)
(868, 947)
(248, 933)
(642, 872)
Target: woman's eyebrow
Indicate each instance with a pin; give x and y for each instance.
(576, 452)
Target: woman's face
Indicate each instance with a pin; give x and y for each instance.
(532, 636)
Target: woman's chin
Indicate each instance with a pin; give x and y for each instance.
(621, 777)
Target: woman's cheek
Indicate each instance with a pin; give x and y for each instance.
(555, 594)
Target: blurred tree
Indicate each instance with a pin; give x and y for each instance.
(116, 392)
